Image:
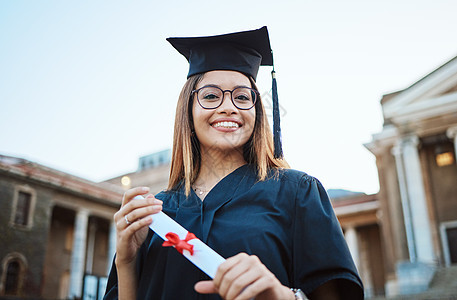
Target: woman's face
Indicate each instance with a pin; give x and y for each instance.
(226, 127)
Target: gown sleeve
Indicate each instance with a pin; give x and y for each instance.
(111, 292)
(320, 252)
(111, 286)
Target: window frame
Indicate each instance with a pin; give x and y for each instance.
(444, 240)
(24, 189)
(11, 257)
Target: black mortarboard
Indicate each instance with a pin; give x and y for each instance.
(242, 51)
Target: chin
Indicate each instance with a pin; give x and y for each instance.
(224, 146)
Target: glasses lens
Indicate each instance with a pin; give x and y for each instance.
(210, 97)
(244, 98)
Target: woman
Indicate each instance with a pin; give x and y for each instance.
(274, 225)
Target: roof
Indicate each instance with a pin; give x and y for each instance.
(356, 204)
(102, 192)
(336, 194)
(389, 96)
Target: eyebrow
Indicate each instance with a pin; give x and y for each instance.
(218, 86)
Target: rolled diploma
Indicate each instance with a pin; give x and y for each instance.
(205, 258)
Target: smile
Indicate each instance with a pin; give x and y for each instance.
(226, 125)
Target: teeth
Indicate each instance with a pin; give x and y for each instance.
(226, 124)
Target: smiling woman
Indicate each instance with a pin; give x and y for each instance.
(224, 127)
(230, 186)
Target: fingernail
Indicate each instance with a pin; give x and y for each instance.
(157, 201)
(145, 189)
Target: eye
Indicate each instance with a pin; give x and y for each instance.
(209, 94)
(242, 98)
(242, 95)
(210, 97)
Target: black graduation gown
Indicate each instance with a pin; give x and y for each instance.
(286, 220)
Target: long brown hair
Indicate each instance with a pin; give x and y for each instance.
(186, 157)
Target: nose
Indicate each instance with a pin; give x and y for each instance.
(227, 105)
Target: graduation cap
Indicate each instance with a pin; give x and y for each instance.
(242, 51)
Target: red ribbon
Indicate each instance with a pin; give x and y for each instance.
(180, 245)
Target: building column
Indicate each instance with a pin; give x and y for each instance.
(78, 254)
(414, 201)
(350, 234)
(111, 245)
(418, 202)
(397, 152)
(452, 134)
(91, 247)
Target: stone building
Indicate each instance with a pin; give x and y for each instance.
(415, 156)
(56, 232)
(358, 215)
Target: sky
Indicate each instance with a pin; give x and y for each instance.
(87, 87)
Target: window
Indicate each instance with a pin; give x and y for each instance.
(23, 207)
(449, 241)
(12, 278)
(13, 270)
(69, 238)
(451, 234)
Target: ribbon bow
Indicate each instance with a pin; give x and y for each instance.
(180, 245)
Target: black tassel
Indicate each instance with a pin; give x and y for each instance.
(276, 121)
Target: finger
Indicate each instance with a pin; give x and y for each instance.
(134, 227)
(141, 212)
(124, 216)
(205, 287)
(119, 220)
(226, 266)
(133, 205)
(149, 196)
(130, 194)
(231, 285)
(241, 282)
(126, 236)
(121, 224)
(255, 288)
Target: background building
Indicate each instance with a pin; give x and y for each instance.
(415, 155)
(56, 232)
(358, 214)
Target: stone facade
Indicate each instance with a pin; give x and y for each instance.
(416, 159)
(359, 218)
(55, 230)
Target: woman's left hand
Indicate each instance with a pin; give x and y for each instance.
(244, 277)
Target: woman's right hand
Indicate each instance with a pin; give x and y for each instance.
(132, 222)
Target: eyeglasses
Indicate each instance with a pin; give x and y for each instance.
(211, 97)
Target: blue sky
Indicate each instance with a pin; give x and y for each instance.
(89, 86)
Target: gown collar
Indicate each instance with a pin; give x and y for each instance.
(222, 193)
(219, 195)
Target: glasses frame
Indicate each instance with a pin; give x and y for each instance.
(231, 96)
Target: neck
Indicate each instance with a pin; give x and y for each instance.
(215, 165)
